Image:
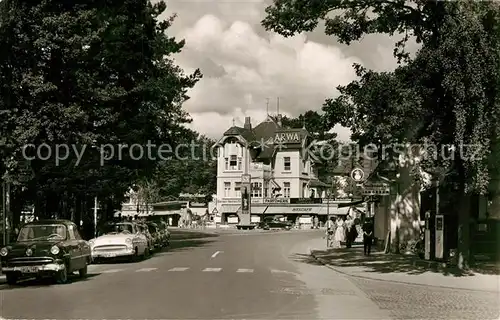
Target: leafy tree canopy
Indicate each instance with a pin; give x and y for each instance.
(87, 74)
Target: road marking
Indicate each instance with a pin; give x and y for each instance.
(283, 272)
(178, 269)
(245, 270)
(212, 269)
(112, 270)
(215, 254)
(146, 269)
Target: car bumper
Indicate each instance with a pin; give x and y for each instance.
(113, 254)
(35, 269)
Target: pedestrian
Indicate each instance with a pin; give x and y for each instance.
(330, 229)
(350, 232)
(367, 238)
(339, 232)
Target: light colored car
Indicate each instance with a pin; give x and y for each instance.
(119, 240)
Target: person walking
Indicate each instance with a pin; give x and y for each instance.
(330, 226)
(339, 232)
(367, 238)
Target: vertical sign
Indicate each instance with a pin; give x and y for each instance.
(439, 236)
(427, 236)
(246, 201)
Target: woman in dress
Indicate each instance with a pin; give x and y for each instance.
(340, 232)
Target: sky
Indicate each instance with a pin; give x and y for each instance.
(243, 65)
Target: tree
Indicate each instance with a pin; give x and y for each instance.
(192, 169)
(325, 145)
(87, 74)
(447, 95)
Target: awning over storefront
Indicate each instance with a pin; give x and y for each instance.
(350, 204)
(229, 208)
(334, 211)
(292, 210)
(258, 209)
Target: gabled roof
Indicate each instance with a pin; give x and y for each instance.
(248, 135)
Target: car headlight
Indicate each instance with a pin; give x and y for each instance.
(92, 242)
(128, 241)
(4, 252)
(55, 250)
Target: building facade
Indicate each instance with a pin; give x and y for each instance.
(283, 175)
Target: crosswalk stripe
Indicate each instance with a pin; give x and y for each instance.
(212, 269)
(146, 269)
(112, 270)
(178, 269)
(245, 270)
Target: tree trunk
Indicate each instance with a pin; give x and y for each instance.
(464, 206)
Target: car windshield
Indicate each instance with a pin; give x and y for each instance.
(42, 232)
(116, 228)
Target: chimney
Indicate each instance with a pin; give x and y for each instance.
(248, 124)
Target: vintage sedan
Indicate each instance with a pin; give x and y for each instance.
(119, 240)
(43, 248)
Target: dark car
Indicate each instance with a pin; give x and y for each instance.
(275, 223)
(43, 248)
(164, 233)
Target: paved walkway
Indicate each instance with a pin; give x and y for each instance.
(398, 268)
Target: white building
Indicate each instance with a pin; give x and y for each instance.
(284, 177)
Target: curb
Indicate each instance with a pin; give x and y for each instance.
(326, 264)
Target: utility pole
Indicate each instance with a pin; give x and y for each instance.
(4, 213)
(95, 216)
(267, 107)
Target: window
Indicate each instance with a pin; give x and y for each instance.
(227, 189)
(287, 163)
(286, 189)
(237, 189)
(73, 232)
(233, 163)
(257, 189)
(266, 191)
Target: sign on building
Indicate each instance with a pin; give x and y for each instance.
(376, 189)
(277, 200)
(287, 137)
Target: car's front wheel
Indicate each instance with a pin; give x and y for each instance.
(62, 276)
(83, 272)
(11, 278)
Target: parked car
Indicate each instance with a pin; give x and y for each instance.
(155, 234)
(52, 248)
(275, 223)
(163, 232)
(119, 240)
(143, 228)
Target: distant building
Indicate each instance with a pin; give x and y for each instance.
(283, 175)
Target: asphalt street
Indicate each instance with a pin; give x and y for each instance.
(228, 276)
(232, 275)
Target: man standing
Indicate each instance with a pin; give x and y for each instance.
(367, 238)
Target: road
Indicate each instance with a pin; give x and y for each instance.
(240, 276)
(245, 275)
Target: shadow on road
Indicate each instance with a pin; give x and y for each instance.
(46, 282)
(380, 262)
(190, 234)
(186, 244)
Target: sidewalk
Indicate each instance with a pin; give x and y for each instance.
(399, 268)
